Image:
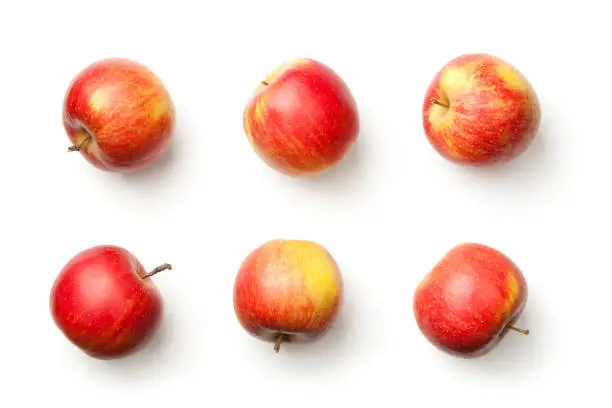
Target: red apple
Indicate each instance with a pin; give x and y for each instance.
(479, 110)
(105, 303)
(288, 290)
(119, 115)
(302, 119)
(468, 302)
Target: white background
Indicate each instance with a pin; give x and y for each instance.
(387, 213)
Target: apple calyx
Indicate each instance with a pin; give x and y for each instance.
(157, 270)
(280, 338)
(516, 329)
(437, 102)
(78, 146)
(265, 83)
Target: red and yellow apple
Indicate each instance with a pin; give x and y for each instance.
(119, 115)
(302, 119)
(288, 290)
(479, 111)
(105, 303)
(470, 299)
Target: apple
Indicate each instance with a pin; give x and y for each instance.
(119, 115)
(288, 290)
(470, 299)
(302, 119)
(105, 302)
(480, 111)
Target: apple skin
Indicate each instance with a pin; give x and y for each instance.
(104, 303)
(302, 119)
(288, 290)
(119, 115)
(491, 113)
(468, 302)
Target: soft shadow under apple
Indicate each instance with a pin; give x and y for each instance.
(516, 354)
(343, 179)
(171, 165)
(330, 349)
(152, 356)
(534, 168)
(162, 166)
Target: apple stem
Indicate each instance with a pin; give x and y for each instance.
(265, 83)
(437, 102)
(280, 337)
(522, 331)
(157, 270)
(77, 147)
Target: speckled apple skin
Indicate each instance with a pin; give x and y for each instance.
(302, 119)
(120, 115)
(291, 287)
(101, 302)
(466, 302)
(492, 113)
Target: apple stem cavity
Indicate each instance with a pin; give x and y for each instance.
(437, 102)
(157, 270)
(516, 329)
(265, 83)
(280, 338)
(77, 147)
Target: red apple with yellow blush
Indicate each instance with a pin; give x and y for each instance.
(302, 119)
(470, 300)
(119, 115)
(288, 291)
(479, 110)
(105, 302)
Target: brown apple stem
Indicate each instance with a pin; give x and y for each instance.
(157, 270)
(437, 102)
(77, 147)
(280, 337)
(265, 83)
(522, 331)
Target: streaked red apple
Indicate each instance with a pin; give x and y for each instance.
(119, 115)
(105, 302)
(479, 110)
(471, 298)
(288, 290)
(302, 119)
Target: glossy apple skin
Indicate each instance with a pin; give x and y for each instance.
(302, 119)
(120, 114)
(467, 301)
(493, 112)
(102, 304)
(288, 287)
